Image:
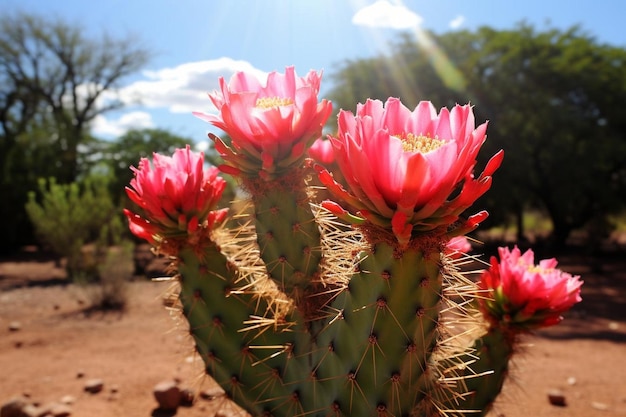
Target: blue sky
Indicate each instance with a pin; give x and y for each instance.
(196, 41)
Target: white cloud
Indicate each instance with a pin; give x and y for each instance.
(184, 88)
(114, 128)
(457, 22)
(202, 146)
(180, 89)
(383, 14)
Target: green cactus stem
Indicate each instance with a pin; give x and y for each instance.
(287, 234)
(229, 318)
(386, 332)
(487, 369)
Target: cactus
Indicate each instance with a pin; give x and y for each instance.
(340, 293)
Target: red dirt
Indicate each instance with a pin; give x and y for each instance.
(584, 357)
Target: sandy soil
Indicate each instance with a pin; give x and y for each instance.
(60, 345)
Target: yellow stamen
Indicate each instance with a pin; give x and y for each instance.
(419, 143)
(269, 102)
(537, 268)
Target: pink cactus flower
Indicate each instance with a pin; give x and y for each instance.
(410, 171)
(271, 127)
(322, 152)
(175, 195)
(457, 246)
(524, 296)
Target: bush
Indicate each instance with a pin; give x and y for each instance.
(111, 291)
(68, 216)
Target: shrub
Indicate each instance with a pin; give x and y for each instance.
(68, 216)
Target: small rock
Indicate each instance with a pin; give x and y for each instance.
(211, 393)
(167, 394)
(14, 407)
(61, 410)
(15, 326)
(67, 400)
(556, 397)
(187, 397)
(571, 380)
(31, 410)
(599, 406)
(80, 374)
(18, 344)
(94, 386)
(114, 389)
(56, 410)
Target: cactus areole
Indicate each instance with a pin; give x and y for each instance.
(337, 289)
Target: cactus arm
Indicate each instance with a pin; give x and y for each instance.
(236, 332)
(214, 314)
(494, 350)
(287, 233)
(483, 373)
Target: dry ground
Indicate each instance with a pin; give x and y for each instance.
(584, 357)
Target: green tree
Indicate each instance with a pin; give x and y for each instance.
(53, 82)
(553, 101)
(53, 67)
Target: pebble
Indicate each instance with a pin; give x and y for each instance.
(556, 397)
(15, 326)
(599, 406)
(167, 394)
(67, 399)
(57, 410)
(21, 407)
(31, 410)
(94, 386)
(13, 407)
(571, 380)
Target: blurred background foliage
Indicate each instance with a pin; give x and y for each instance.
(554, 101)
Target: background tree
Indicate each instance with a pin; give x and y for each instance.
(120, 155)
(53, 80)
(552, 98)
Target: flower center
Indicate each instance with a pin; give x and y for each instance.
(269, 102)
(419, 143)
(538, 269)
